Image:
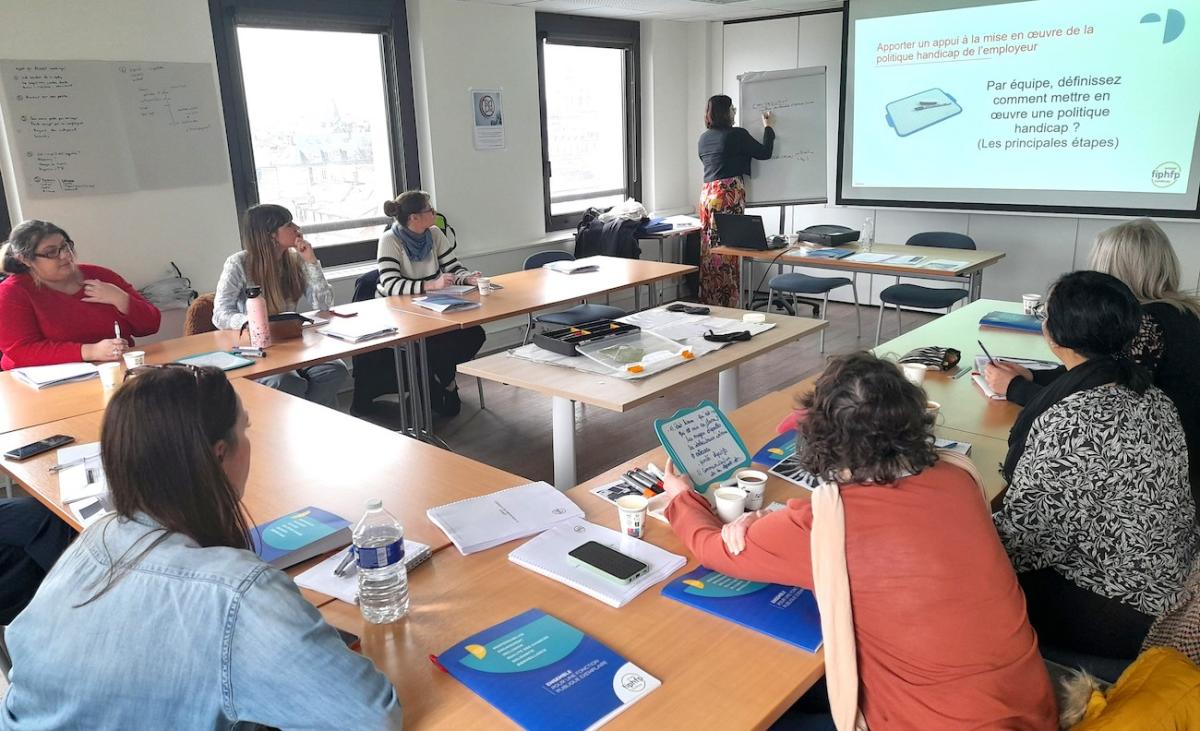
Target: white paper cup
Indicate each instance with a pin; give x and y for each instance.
(731, 503)
(135, 358)
(484, 284)
(632, 510)
(914, 372)
(1029, 303)
(110, 375)
(755, 485)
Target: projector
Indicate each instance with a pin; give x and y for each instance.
(827, 235)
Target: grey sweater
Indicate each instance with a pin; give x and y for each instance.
(229, 309)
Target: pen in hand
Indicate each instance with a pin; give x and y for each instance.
(985, 352)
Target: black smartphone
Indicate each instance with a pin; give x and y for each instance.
(36, 448)
(609, 563)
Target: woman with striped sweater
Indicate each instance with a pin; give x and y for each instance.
(415, 257)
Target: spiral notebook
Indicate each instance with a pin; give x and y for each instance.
(547, 555)
(482, 522)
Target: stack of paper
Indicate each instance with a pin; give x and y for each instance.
(345, 587)
(53, 375)
(82, 485)
(547, 555)
(572, 267)
(356, 329)
(482, 522)
(444, 303)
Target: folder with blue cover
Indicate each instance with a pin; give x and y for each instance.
(786, 613)
(544, 674)
(1011, 321)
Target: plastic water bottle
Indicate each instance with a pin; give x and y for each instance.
(867, 237)
(382, 578)
(256, 315)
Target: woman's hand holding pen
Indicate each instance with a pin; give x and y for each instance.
(768, 119)
(1001, 373)
(441, 281)
(105, 350)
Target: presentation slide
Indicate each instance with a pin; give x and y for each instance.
(1070, 104)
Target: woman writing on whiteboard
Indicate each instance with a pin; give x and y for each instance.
(725, 152)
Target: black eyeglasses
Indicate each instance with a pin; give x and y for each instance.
(1039, 311)
(67, 246)
(196, 371)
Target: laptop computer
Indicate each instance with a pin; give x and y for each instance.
(742, 232)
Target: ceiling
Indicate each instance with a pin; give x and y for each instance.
(670, 9)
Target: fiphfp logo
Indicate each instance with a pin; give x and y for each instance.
(1165, 175)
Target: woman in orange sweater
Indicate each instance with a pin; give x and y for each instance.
(942, 637)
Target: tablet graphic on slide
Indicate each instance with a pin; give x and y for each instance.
(918, 111)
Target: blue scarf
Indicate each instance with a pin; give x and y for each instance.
(416, 247)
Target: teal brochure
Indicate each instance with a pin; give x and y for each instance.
(544, 674)
(224, 360)
(702, 444)
(778, 449)
(311, 528)
(786, 613)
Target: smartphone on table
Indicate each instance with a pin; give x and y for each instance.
(608, 562)
(35, 448)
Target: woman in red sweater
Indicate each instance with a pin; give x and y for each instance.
(55, 310)
(942, 636)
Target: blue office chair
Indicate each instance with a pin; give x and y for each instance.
(795, 283)
(578, 314)
(913, 295)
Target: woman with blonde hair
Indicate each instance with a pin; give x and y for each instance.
(276, 257)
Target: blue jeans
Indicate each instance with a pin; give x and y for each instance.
(319, 384)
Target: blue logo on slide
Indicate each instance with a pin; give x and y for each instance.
(1172, 28)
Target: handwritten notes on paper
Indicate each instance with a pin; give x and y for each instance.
(702, 443)
(91, 127)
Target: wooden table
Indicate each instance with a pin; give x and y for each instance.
(566, 386)
(682, 230)
(964, 406)
(798, 255)
(536, 289)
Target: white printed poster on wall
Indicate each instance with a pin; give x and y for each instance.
(489, 119)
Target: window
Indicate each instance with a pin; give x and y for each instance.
(319, 113)
(588, 69)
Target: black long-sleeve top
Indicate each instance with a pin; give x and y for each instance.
(726, 153)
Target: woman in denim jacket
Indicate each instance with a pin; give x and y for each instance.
(159, 616)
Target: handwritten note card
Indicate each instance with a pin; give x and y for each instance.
(702, 443)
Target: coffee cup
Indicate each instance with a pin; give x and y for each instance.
(484, 284)
(914, 372)
(134, 358)
(110, 375)
(1030, 302)
(731, 503)
(632, 512)
(754, 483)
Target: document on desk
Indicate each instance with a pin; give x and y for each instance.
(83, 477)
(345, 587)
(53, 375)
(868, 258)
(482, 522)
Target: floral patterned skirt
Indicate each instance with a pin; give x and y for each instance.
(719, 280)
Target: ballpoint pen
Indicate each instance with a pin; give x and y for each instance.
(345, 564)
(72, 463)
(985, 352)
(117, 329)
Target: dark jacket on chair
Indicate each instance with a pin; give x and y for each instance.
(614, 238)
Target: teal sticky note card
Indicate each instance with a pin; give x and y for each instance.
(703, 444)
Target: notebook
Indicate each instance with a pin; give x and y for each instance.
(572, 267)
(345, 587)
(299, 536)
(444, 303)
(981, 362)
(546, 554)
(482, 522)
(217, 359)
(546, 675)
(787, 613)
(84, 478)
(53, 375)
(829, 253)
(356, 329)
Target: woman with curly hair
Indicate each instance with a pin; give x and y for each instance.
(938, 617)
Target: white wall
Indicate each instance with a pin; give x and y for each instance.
(1038, 248)
(137, 234)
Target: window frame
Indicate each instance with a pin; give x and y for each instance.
(388, 18)
(577, 30)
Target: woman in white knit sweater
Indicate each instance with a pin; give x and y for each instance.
(415, 257)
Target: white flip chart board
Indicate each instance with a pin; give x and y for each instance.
(93, 127)
(796, 171)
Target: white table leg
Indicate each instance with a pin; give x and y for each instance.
(727, 390)
(563, 411)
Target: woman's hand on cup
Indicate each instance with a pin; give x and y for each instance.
(734, 534)
(999, 374)
(105, 350)
(675, 484)
(99, 292)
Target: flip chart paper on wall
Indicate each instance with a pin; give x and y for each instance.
(796, 171)
(703, 444)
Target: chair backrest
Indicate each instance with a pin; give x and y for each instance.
(364, 286)
(198, 318)
(542, 258)
(942, 240)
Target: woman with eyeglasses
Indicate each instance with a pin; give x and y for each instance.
(276, 257)
(159, 615)
(1098, 517)
(416, 257)
(55, 310)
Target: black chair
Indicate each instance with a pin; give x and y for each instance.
(578, 314)
(795, 283)
(913, 295)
